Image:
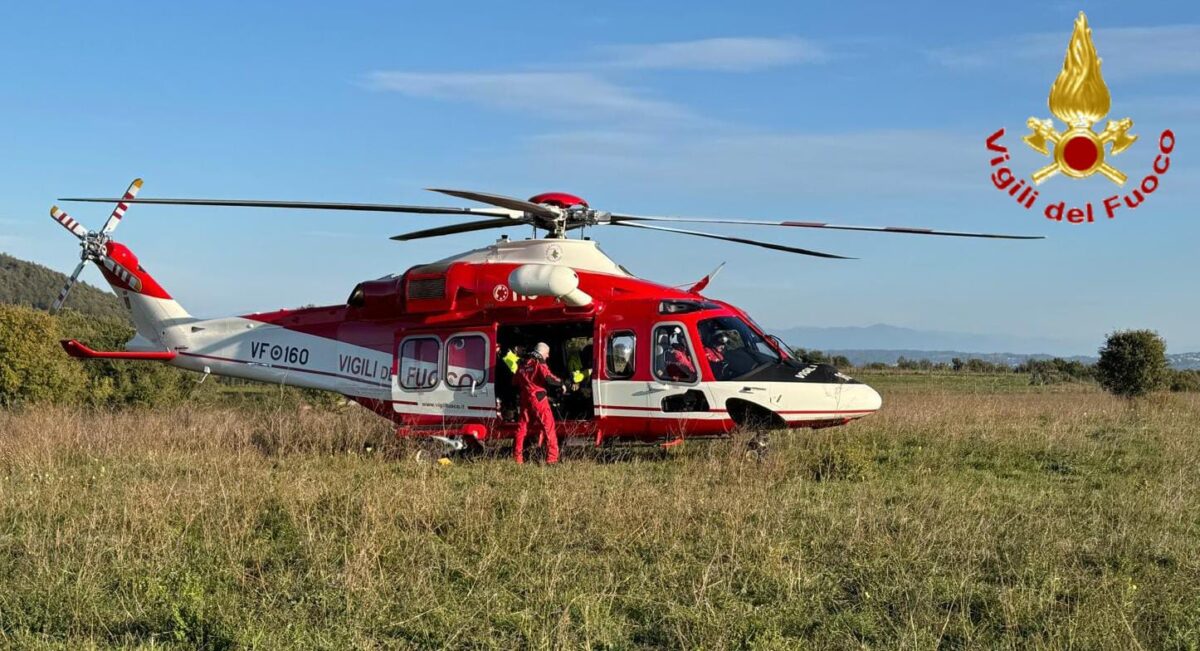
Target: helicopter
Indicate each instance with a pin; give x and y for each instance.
(425, 348)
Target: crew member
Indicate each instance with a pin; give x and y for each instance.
(533, 380)
(513, 357)
(677, 364)
(622, 358)
(714, 350)
(579, 364)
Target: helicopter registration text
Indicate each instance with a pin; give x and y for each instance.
(263, 351)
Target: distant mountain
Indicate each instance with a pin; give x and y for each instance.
(884, 344)
(879, 356)
(1181, 361)
(889, 337)
(1184, 361)
(32, 285)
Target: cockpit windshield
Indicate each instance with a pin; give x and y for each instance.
(785, 348)
(733, 348)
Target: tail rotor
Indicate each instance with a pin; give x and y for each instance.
(93, 244)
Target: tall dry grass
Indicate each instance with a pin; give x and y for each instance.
(949, 520)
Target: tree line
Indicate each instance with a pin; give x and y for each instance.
(32, 285)
(34, 368)
(1132, 363)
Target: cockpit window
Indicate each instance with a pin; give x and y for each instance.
(732, 348)
(786, 350)
(672, 356)
(784, 347)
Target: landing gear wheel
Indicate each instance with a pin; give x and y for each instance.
(438, 449)
(758, 446)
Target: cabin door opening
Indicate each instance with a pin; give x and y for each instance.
(572, 359)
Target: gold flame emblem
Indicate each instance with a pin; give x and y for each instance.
(1079, 97)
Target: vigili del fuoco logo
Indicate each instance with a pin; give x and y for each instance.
(1079, 98)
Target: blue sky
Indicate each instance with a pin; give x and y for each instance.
(840, 112)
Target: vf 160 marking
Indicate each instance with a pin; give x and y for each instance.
(263, 350)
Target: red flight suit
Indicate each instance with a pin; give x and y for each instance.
(716, 360)
(532, 379)
(714, 355)
(679, 366)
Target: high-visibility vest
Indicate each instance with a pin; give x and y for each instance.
(575, 366)
(510, 360)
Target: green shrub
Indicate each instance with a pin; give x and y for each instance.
(1185, 380)
(33, 366)
(117, 382)
(1132, 363)
(35, 369)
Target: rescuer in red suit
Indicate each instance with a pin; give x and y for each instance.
(714, 350)
(533, 380)
(677, 365)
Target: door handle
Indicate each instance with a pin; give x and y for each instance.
(752, 389)
(656, 386)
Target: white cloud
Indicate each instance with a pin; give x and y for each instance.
(1126, 52)
(727, 54)
(559, 95)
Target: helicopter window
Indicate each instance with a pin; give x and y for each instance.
(732, 348)
(419, 363)
(622, 348)
(787, 350)
(672, 355)
(466, 361)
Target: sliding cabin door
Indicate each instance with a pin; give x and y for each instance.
(446, 377)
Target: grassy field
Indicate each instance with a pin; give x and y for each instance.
(974, 513)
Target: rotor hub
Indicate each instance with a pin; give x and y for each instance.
(558, 200)
(94, 245)
(571, 211)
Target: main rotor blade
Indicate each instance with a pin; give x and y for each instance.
(837, 227)
(62, 295)
(500, 200)
(457, 228)
(315, 205)
(739, 240)
(115, 218)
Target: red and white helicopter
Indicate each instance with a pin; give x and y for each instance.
(424, 348)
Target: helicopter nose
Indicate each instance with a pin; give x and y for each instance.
(871, 398)
(860, 397)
